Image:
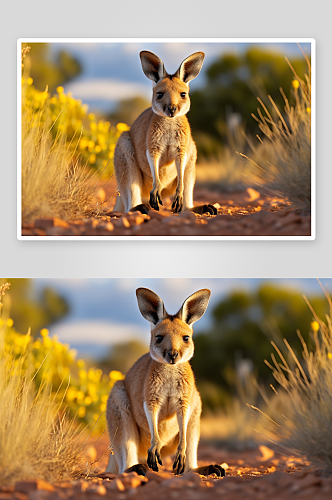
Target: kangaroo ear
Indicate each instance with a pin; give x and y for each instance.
(151, 306)
(190, 67)
(194, 306)
(152, 66)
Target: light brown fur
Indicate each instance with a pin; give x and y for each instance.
(157, 157)
(156, 410)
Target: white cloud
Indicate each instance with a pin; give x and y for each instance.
(107, 89)
(99, 332)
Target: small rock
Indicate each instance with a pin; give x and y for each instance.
(158, 476)
(121, 223)
(116, 485)
(97, 489)
(25, 486)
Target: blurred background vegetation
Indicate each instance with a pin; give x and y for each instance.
(48, 70)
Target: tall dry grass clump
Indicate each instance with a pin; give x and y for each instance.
(284, 155)
(54, 184)
(305, 396)
(36, 439)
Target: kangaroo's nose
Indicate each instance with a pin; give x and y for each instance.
(172, 109)
(173, 355)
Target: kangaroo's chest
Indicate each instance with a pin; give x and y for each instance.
(168, 141)
(169, 396)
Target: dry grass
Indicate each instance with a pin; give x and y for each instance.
(54, 184)
(238, 426)
(284, 155)
(304, 425)
(36, 440)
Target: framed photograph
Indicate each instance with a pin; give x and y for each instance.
(166, 139)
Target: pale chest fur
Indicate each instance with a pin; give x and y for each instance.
(168, 140)
(167, 390)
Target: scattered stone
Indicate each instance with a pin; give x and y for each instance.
(116, 485)
(97, 489)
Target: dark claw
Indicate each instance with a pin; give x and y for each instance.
(153, 457)
(155, 199)
(143, 208)
(179, 464)
(177, 204)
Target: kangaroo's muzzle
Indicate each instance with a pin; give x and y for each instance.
(172, 355)
(171, 110)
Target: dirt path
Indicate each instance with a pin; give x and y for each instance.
(246, 213)
(258, 473)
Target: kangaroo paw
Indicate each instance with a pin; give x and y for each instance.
(143, 208)
(179, 464)
(207, 470)
(153, 459)
(141, 469)
(155, 199)
(202, 209)
(177, 205)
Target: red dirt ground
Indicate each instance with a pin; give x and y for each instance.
(245, 213)
(259, 473)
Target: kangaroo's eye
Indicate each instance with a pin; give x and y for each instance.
(160, 94)
(186, 338)
(159, 339)
(183, 95)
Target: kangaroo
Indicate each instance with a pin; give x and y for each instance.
(155, 411)
(157, 157)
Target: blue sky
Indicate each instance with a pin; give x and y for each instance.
(104, 311)
(112, 71)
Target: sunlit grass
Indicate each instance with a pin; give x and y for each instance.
(283, 156)
(36, 438)
(304, 393)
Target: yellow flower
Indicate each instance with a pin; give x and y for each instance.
(308, 110)
(93, 126)
(44, 332)
(87, 400)
(91, 389)
(315, 326)
(295, 84)
(59, 89)
(47, 342)
(82, 374)
(97, 149)
(80, 363)
(103, 407)
(81, 411)
(83, 143)
(10, 322)
(122, 127)
(329, 355)
(104, 398)
(80, 395)
(71, 394)
(30, 80)
(92, 159)
(116, 375)
(91, 116)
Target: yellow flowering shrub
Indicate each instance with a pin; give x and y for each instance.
(94, 140)
(82, 391)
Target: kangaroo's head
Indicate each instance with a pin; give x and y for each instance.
(171, 336)
(171, 92)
